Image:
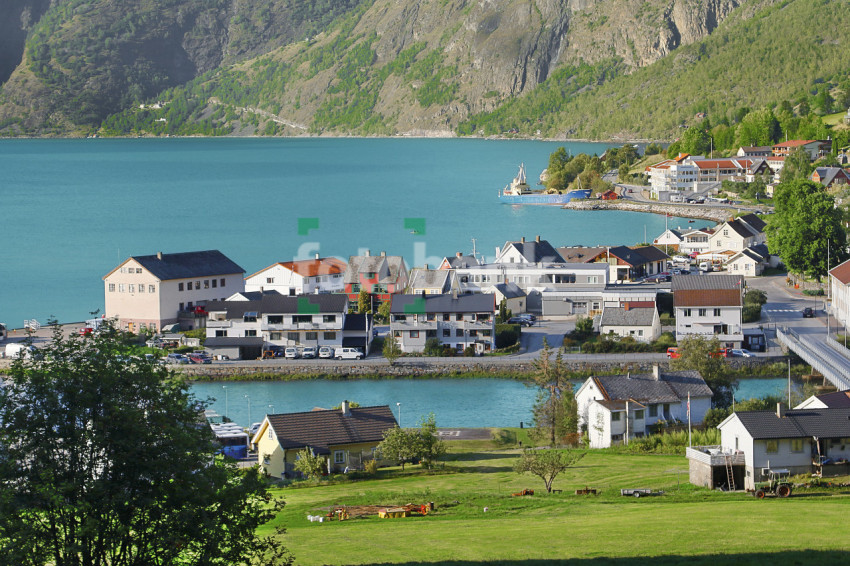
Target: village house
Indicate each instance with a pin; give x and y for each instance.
(152, 292)
(738, 234)
(581, 254)
(457, 321)
(815, 148)
(458, 260)
(830, 176)
(613, 409)
(242, 329)
(319, 275)
(432, 281)
(628, 264)
(672, 175)
(345, 437)
(755, 151)
(536, 252)
(515, 298)
(839, 290)
(749, 262)
(381, 276)
(803, 441)
(709, 307)
(832, 400)
(634, 319)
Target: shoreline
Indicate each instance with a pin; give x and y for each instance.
(701, 212)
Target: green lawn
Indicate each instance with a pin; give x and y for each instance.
(607, 528)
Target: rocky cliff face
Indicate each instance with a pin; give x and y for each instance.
(97, 58)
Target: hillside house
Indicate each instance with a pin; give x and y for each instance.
(815, 148)
(708, 307)
(830, 177)
(738, 234)
(345, 437)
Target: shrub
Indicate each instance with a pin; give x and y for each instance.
(469, 351)
(507, 335)
(371, 467)
(667, 319)
(715, 416)
(813, 292)
(755, 297)
(751, 313)
(433, 347)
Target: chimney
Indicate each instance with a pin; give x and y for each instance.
(158, 255)
(626, 306)
(458, 254)
(454, 293)
(537, 239)
(383, 254)
(317, 256)
(656, 372)
(345, 410)
(368, 253)
(780, 410)
(425, 266)
(522, 240)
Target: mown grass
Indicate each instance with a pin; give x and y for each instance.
(687, 521)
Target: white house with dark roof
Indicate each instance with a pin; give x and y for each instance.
(151, 291)
(318, 275)
(516, 300)
(457, 321)
(627, 263)
(638, 320)
(833, 400)
(432, 281)
(616, 408)
(709, 306)
(738, 234)
(749, 262)
(243, 328)
(804, 441)
(458, 260)
(537, 252)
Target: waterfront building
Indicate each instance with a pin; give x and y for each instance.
(147, 293)
(381, 276)
(458, 260)
(432, 281)
(536, 252)
(457, 321)
(710, 307)
(738, 234)
(634, 319)
(319, 275)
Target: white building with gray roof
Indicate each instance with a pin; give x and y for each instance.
(637, 320)
(457, 321)
(613, 409)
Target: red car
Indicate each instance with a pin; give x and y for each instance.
(86, 331)
(673, 353)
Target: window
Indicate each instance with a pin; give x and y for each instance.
(355, 287)
(250, 333)
(716, 312)
(459, 316)
(180, 286)
(221, 282)
(446, 333)
(397, 333)
(593, 279)
(275, 319)
(796, 445)
(400, 318)
(653, 410)
(215, 283)
(329, 318)
(485, 333)
(120, 287)
(248, 316)
(431, 317)
(447, 317)
(473, 333)
(615, 417)
(430, 334)
(112, 287)
(459, 332)
(180, 308)
(312, 336)
(772, 446)
(276, 336)
(414, 334)
(271, 434)
(339, 457)
(132, 288)
(141, 288)
(329, 335)
(206, 283)
(639, 415)
(151, 288)
(292, 336)
(370, 275)
(220, 333)
(299, 318)
(701, 312)
(197, 285)
(269, 279)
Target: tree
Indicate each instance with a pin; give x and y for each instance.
(309, 464)
(102, 462)
(363, 300)
(697, 353)
(806, 229)
(546, 464)
(555, 410)
(392, 351)
(433, 347)
(429, 446)
(696, 141)
(584, 327)
(399, 445)
(798, 166)
(384, 311)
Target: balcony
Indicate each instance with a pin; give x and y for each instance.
(715, 455)
(219, 323)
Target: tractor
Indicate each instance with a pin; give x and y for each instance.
(777, 483)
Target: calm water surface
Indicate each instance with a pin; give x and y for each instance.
(74, 209)
(454, 402)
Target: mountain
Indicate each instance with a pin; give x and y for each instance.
(426, 67)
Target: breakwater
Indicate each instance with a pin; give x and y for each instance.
(714, 214)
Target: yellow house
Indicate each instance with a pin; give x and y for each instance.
(346, 437)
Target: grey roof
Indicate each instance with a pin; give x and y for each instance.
(275, 303)
(827, 174)
(322, 429)
(509, 290)
(388, 266)
(354, 322)
(800, 423)
(188, 264)
(628, 255)
(742, 228)
(536, 252)
(580, 253)
(462, 261)
(418, 304)
(651, 253)
(836, 399)
(672, 387)
(429, 278)
(707, 282)
(620, 316)
(232, 341)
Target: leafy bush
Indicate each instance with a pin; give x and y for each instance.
(469, 351)
(433, 347)
(507, 335)
(755, 297)
(813, 292)
(751, 313)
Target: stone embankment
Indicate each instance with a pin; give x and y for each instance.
(715, 214)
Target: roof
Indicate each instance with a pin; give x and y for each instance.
(275, 303)
(580, 254)
(754, 221)
(389, 267)
(310, 267)
(828, 174)
(320, 430)
(672, 387)
(708, 282)
(741, 228)
(417, 304)
(797, 423)
(794, 143)
(638, 255)
(355, 322)
(651, 253)
(185, 265)
(536, 252)
(708, 291)
(429, 278)
(836, 399)
(842, 272)
(461, 261)
(620, 316)
(509, 290)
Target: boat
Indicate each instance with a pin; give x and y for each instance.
(518, 192)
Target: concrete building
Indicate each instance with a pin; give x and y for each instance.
(839, 290)
(457, 321)
(147, 293)
(709, 307)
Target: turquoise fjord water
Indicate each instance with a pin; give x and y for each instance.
(74, 209)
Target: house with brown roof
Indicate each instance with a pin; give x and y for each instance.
(318, 275)
(345, 437)
(839, 287)
(815, 148)
(709, 306)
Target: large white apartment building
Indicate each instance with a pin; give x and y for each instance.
(457, 321)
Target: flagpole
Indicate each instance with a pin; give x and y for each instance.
(689, 419)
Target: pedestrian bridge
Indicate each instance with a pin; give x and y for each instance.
(823, 353)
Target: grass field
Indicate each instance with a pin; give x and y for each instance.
(686, 524)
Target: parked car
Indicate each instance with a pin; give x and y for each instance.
(291, 353)
(721, 353)
(197, 358)
(673, 353)
(348, 354)
(808, 312)
(309, 352)
(326, 352)
(253, 429)
(176, 359)
(742, 353)
(658, 277)
(521, 321)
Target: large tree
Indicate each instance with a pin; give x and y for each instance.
(806, 230)
(546, 464)
(555, 410)
(105, 460)
(430, 447)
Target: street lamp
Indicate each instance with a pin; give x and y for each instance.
(399, 414)
(249, 408)
(225, 399)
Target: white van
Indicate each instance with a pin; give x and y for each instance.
(705, 266)
(348, 354)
